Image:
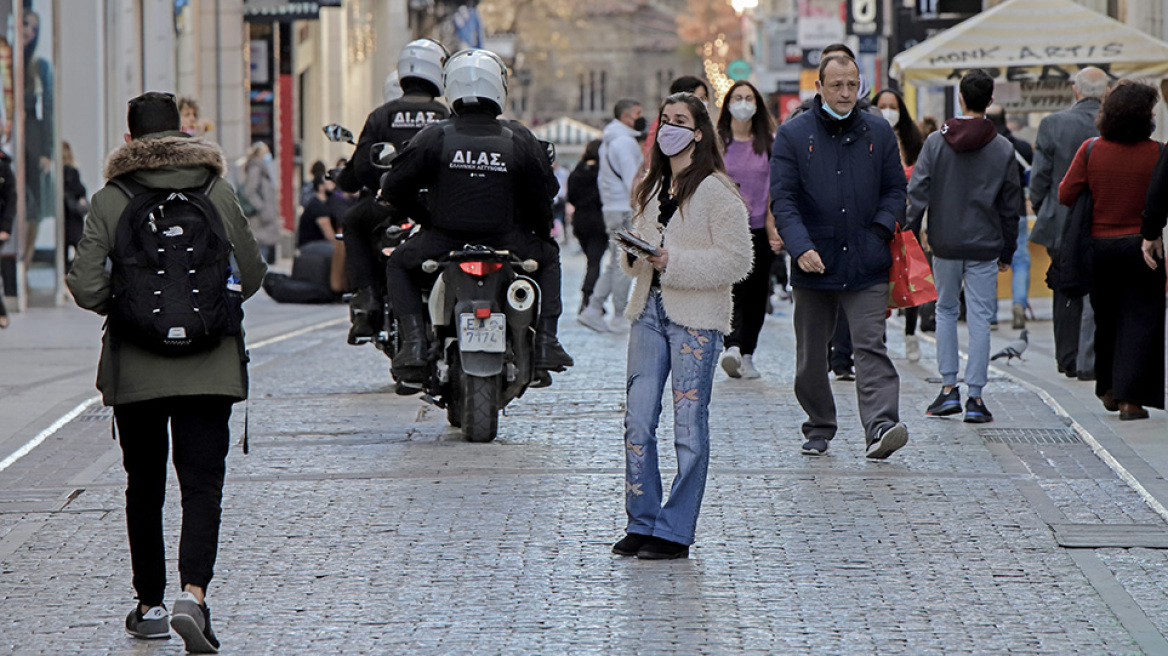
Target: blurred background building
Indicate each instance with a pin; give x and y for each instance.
(278, 70)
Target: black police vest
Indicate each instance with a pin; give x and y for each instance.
(407, 118)
(475, 190)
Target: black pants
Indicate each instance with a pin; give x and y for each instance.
(1128, 299)
(595, 246)
(1067, 314)
(405, 277)
(840, 348)
(360, 226)
(750, 297)
(200, 433)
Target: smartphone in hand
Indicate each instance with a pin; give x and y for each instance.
(635, 245)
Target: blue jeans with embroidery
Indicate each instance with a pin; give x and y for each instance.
(657, 348)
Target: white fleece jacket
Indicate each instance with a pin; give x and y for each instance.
(710, 249)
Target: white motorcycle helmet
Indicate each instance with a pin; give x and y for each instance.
(473, 77)
(392, 90)
(423, 59)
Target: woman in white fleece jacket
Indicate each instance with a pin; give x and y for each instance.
(680, 307)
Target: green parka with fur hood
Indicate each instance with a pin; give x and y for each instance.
(126, 373)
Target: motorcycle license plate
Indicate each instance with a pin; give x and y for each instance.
(482, 335)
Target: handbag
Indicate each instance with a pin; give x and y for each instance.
(910, 280)
(1076, 259)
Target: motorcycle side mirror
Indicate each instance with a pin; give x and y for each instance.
(337, 133)
(430, 266)
(529, 266)
(550, 149)
(382, 154)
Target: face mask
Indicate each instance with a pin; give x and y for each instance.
(891, 115)
(831, 112)
(267, 157)
(640, 123)
(672, 139)
(743, 110)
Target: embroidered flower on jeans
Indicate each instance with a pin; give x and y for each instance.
(638, 449)
(702, 339)
(633, 488)
(679, 395)
(686, 349)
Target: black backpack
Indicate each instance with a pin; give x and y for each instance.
(174, 290)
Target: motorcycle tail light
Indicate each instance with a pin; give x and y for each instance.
(480, 268)
(482, 313)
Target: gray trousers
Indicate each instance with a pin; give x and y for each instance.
(613, 280)
(877, 383)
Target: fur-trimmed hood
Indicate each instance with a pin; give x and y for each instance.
(165, 149)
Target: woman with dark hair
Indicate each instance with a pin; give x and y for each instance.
(690, 213)
(587, 216)
(1127, 292)
(745, 132)
(909, 137)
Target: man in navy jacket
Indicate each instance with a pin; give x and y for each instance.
(837, 193)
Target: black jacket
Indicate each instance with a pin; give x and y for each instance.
(419, 165)
(395, 122)
(584, 195)
(7, 194)
(1156, 209)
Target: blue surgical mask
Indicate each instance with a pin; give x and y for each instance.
(831, 112)
(267, 157)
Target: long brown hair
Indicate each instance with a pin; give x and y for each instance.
(762, 126)
(706, 160)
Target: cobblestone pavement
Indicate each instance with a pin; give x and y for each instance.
(362, 523)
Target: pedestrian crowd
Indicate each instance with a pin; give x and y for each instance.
(684, 217)
(829, 188)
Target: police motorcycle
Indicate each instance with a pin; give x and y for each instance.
(388, 238)
(482, 313)
(482, 310)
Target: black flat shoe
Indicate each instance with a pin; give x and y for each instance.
(662, 549)
(630, 544)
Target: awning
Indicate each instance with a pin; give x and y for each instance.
(1032, 41)
(284, 11)
(566, 131)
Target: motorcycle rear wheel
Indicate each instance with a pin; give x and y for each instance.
(480, 407)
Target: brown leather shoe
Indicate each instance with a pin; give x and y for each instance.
(1109, 403)
(1131, 411)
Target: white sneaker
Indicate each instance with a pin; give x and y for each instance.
(592, 318)
(912, 348)
(619, 323)
(748, 370)
(732, 362)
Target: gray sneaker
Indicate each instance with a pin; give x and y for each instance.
(889, 441)
(151, 625)
(192, 621)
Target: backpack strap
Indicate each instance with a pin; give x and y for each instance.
(129, 186)
(210, 184)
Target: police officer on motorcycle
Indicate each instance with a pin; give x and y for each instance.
(490, 183)
(419, 73)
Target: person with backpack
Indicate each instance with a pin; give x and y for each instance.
(169, 225)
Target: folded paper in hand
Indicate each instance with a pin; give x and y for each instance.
(635, 245)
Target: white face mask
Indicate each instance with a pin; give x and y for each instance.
(743, 110)
(891, 115)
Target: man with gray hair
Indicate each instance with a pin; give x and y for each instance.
(620, 160)
(1059, 138)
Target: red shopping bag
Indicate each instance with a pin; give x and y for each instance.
(910, 281)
